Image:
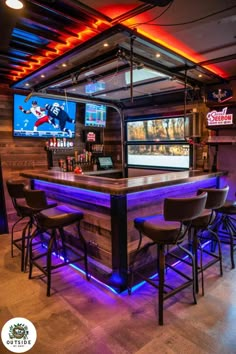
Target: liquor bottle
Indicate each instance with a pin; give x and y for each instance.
(205, 165)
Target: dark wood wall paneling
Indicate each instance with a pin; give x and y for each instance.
(112, 137)
(17, 154)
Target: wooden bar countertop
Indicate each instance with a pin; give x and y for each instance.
(120, 186)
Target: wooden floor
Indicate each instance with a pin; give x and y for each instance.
(84, 317)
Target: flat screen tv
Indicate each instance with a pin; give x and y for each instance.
(95, 115)
(162, 129)
(105, 162)
(42, 117)
(169, 156)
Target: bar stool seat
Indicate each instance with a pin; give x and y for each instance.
(52, 222)
(229, 207)
(227, 227)
(60, 216)
(158, 229)
(163, 231)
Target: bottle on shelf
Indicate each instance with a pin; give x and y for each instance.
(205, 164)
(94, 164)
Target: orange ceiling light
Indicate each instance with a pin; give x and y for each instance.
(164, 38)
(114, 11)
(73, 41)
(158, 35)
(60, 49)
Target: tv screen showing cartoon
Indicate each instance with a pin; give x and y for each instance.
(41, 117)
(95, 115)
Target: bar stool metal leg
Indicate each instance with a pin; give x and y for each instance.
(48, 269)
(161, 267)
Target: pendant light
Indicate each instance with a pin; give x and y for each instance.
(14, 4)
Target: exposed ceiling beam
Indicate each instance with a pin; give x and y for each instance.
(218, 60)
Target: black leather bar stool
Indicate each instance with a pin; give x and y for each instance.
(204, 230)
(52, 222)
(24, 211)
(165, 230)
(15, 190)
(227, 226)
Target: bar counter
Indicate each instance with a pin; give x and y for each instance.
(119, 186)
(110, 206)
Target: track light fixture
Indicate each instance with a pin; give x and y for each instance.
(14, 4)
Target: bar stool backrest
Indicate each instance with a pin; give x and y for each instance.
(216, 197)
(16, 191)
(184, 209)
(36, 199)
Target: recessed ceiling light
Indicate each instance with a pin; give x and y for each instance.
(200, 75)
(27, 84)
(158, 55)
(14, 4)
(42, 75)
(64, 65)
(105, 45)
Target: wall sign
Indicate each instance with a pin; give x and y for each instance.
(91, 137)
(220, 95)
(219, 118)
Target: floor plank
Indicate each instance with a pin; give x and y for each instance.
(84, 317)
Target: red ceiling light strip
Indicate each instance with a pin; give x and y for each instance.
(59, 49)
(158, 35)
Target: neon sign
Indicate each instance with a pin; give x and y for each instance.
(219, 118)
(221, 95)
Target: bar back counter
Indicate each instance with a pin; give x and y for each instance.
(110, 206)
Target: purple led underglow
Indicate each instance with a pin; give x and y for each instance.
(73, 193)
(175, 264)
(95, 279)
(134, 288)
(137, 286)
(156, 196)
(84, 273)
(190, 186)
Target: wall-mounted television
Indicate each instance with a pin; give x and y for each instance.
(42, 117)
(174, 156)
(158, 129)
(95, 115)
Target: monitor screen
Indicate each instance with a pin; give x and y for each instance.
(95, 115)
(158, 129)
(105, 162)
(41, 117)
(95, 87)
(176, 156)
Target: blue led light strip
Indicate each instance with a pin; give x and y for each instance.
(134, 288)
